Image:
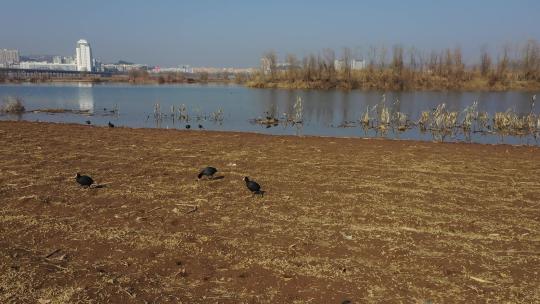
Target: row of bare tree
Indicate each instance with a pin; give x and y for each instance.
(405, 69)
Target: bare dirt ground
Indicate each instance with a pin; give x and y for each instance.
(369, 221)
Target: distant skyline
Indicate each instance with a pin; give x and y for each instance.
(236, 33)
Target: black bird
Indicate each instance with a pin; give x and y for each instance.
(253, 186)
(208, 171)
(200, 126)
(88, 122)
(84, 180)
(111, 125)
(188, 126)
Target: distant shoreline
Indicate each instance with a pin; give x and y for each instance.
(365, 86)
(294, 85)
(233, 133)
(109, 80)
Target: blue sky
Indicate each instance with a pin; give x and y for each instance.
(236, 33)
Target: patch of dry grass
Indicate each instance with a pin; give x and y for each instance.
(12, 105)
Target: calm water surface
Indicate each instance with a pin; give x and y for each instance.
(323, 111)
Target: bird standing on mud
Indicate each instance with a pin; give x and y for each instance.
(111, 125)
(253, 186)
(84, 180)
(208, 171)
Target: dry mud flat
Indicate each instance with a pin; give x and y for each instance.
(369, 221)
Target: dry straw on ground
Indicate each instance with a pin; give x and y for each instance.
(370, 221)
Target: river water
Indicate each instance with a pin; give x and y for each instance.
(325, 113)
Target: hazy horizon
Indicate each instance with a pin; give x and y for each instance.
(237, 33)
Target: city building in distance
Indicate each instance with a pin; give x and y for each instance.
(44, 65)
(353, 64)
(8, 57)
(180, 69)
(63, 59)
(266, 66)
(82, 62)
(83, 56)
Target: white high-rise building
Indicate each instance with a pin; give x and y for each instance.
(9, 57)
(83, 56)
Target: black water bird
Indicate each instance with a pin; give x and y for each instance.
(188, 126)
(253, 186)
(84, 180)
(200, 126)
(111, 125)
(88, 122)
(208, 171)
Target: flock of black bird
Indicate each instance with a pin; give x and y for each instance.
(208, 172)
(254, 187)
(188, 126)
(111, 125)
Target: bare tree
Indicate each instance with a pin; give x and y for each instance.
(292, 66)
(309, 67)
(329, 59)
(448, 63)
(459, 67)
(530, 63)
(414, 62)
(372, 57)
(383, 53)
(269, 64)
(312, 65)
(397, 59)
(320, 67)
(203, 76)
(504, 61)
(485, 61)
(433, 62)
(422, 59)
(347, 58)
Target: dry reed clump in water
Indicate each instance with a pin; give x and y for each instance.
(12, 105)
(423, 122)
(441, 122)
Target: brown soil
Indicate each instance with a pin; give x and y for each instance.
(368, 221)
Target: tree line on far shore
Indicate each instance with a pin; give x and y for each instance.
(515, 67)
